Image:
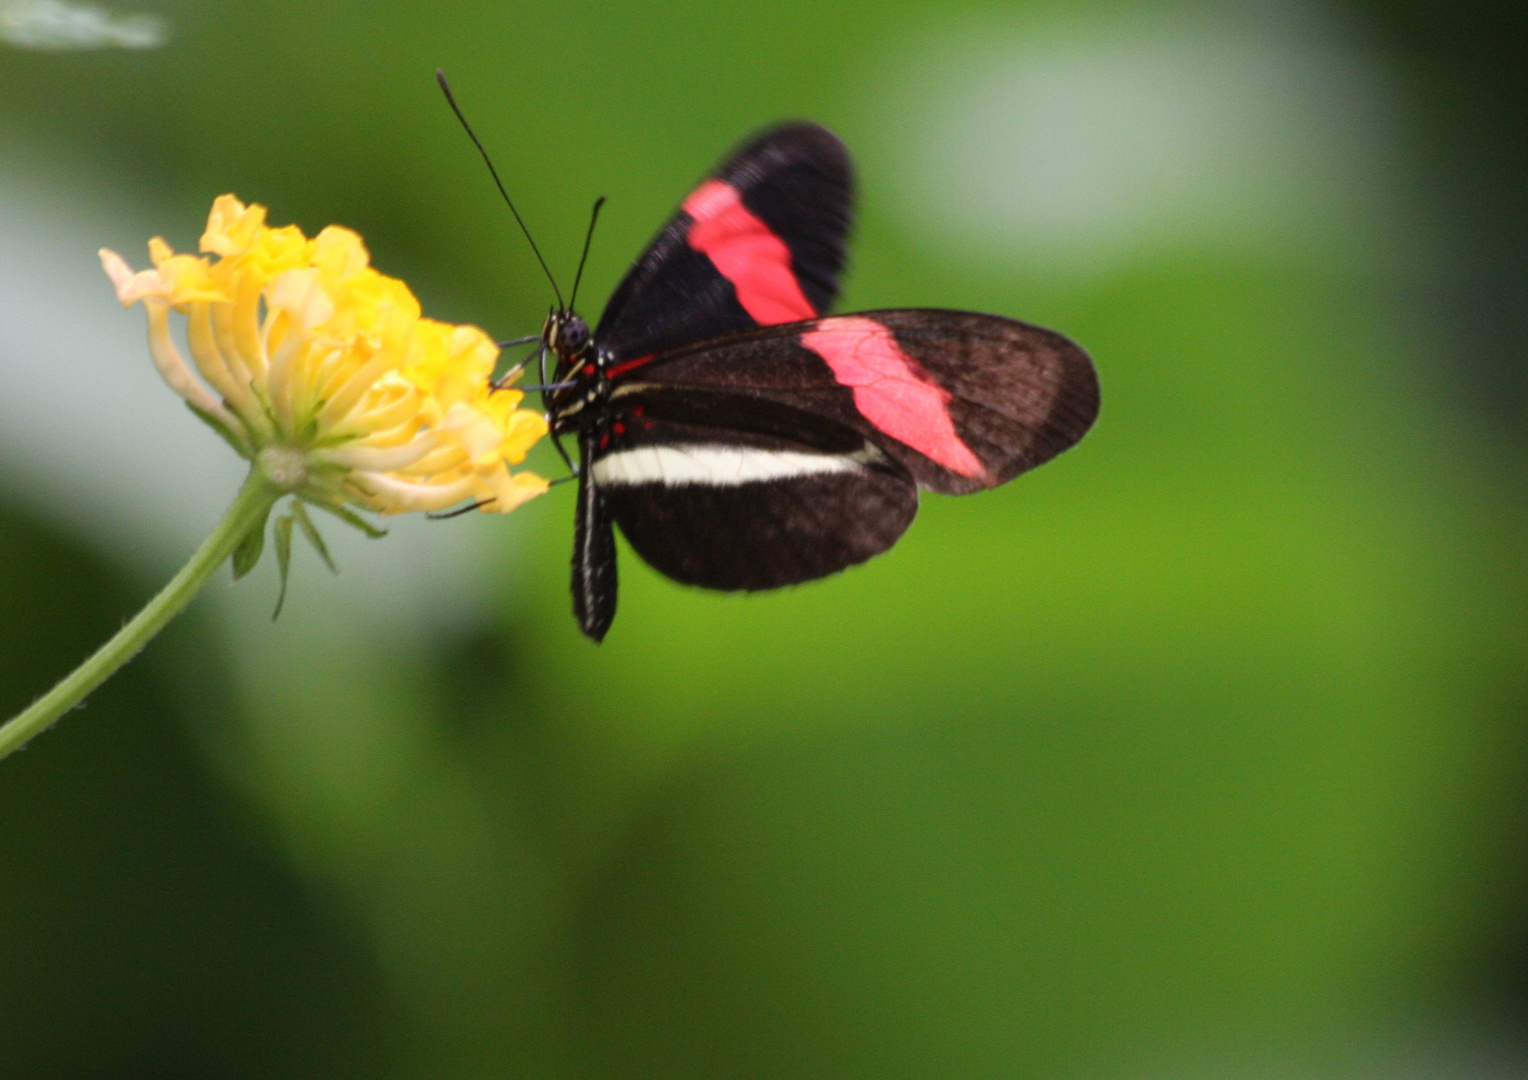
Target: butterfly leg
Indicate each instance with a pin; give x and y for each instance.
(557, 442)
(516, 370)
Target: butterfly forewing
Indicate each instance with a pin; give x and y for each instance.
(758, 243)
(962, 401)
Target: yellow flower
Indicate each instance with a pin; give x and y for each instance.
(321, 371)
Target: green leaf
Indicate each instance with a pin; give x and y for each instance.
(283, 533)
(311, 532)
(247, 555)
(227, 434)
(349, 517)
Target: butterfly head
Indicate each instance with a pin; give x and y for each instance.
(565, 334)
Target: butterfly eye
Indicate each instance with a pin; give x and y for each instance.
(572, 335)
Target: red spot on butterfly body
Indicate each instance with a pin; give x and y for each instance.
(892, 390)
(747, 253)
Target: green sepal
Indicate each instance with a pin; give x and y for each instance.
(283, 532)
(247, 555)
(227, 434)
(349, 517)
(305, 523)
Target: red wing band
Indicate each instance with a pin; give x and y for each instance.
(747, 253)
(892, 390)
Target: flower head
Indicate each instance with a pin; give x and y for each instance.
(321, 371)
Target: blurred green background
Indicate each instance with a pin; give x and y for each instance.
(1198, 753)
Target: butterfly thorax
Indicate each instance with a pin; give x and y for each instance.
(580, 363)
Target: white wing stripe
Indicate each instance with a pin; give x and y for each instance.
(717, 464)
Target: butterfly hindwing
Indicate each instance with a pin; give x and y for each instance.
(735, 492)
(779, 532)
(758, 243)
(961, 401)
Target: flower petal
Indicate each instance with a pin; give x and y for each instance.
(131, 287)
(172, 365)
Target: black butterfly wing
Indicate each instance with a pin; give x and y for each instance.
(758, 243)
(790, 452)
(736, 492)
(959, 400)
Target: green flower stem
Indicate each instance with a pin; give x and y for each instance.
(248, 511)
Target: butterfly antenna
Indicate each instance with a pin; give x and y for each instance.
(594, 215)
(445, 87)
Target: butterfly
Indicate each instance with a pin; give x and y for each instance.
(743, 438)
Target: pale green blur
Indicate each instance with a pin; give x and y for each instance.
(1195, 754)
